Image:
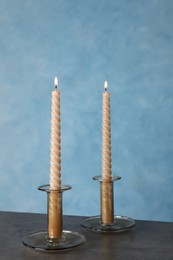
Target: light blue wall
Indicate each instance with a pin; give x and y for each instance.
(129, 43)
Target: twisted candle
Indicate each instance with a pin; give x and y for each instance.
(107, 212)
(106, 135)
(55, 195)
(55, 144)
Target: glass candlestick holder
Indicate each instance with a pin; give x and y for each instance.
(54, 239)
(107, 222)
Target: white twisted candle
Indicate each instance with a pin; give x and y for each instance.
(55, 144)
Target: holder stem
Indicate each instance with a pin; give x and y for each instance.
(55, 222)
(107, 202)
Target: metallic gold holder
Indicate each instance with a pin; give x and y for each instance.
(107, 222)
(54, 239)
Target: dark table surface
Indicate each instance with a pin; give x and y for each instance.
(147, 240)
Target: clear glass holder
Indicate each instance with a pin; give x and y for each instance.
(107, 222)
(54, 239)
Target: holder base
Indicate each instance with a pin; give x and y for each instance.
(120, 224)
(39, 241)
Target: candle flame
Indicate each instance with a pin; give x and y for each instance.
(56, 82)
(106, 85)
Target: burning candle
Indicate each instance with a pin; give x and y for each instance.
(55, 143)
(106, 135)
(107, 211)
(55, 194)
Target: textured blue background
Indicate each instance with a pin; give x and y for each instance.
(84, 43)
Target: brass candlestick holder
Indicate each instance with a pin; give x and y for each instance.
(107, 221)
(54, 238)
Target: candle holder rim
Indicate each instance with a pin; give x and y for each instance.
(100, 178)
(46, 188)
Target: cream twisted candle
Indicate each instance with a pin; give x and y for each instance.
(106, 135)
(107, 212)
(55, 195)
(55, 145)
